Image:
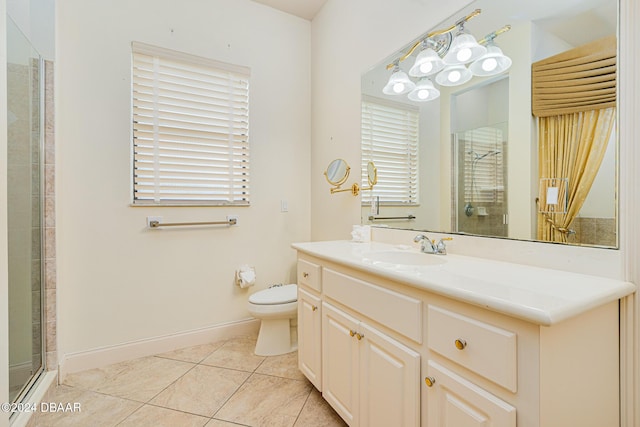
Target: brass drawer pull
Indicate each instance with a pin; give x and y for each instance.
(314, 307)
(356, 334)
(460, 344)
(429, 381)
(305, 275)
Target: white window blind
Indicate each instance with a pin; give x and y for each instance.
(190, 129)
(483, 165)
(390, 140)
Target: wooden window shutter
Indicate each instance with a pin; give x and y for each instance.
(581, 79)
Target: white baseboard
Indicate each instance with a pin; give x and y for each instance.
(96, 358)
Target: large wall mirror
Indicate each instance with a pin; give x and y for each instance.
(527, 153)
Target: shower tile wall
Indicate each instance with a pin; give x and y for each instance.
(50, 223)
(594, 231)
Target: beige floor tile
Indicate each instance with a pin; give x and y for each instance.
(265, 400)
(153, 416)
(193, 354)
(220, 423)
(317, 413)
(202, 390)
(138, 379)
(237, 353)
(96, 410)
(285, 366)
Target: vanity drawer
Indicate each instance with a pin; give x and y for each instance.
(396, 311)
(485, 349)
(310, 274)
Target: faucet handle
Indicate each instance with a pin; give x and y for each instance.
(441, 248)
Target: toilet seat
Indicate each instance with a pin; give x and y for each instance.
(275, 295)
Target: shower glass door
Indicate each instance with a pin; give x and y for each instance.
(24, 211)
(480, 180)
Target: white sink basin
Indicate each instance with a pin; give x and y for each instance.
(403, 258)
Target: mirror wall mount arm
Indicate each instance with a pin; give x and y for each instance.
(354, 189)
(460, 22)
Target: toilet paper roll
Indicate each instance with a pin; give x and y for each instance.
(245, 276)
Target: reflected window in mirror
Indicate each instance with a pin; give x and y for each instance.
(390, 141)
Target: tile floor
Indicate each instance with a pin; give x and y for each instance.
(222, 384)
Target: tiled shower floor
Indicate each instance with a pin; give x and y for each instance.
(222, 384)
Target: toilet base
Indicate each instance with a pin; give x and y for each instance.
(274, 338)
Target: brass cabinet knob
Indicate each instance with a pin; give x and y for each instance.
(429, 381)
(352, 333)
(359, 336)
(460, 344)
(305, 275)
(314, 307)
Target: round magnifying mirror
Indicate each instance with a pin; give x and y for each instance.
(372, 174)
(337, 172)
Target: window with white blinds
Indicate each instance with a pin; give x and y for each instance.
(190, 129)
(390, 140)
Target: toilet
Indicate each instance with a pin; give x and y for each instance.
(277, 308)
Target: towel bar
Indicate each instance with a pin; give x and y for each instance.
(376, 218)
(156, 224)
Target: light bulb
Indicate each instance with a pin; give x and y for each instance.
(454, 76)
(463, 54)
(426, 67)
(398, 87)
(489, 64)
(423, 94)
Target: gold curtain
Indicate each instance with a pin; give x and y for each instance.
(571, 146)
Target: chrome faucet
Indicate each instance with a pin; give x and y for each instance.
(429, 246)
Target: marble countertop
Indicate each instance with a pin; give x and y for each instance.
(539, 295)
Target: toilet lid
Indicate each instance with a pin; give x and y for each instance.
(275, 295)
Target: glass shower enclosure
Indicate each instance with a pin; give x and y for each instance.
(24, 211)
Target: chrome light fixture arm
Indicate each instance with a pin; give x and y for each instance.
(450, 29)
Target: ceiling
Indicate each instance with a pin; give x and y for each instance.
(305, 9)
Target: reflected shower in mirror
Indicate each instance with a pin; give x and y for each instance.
(468, 158)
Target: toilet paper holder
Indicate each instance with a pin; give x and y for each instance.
(245, 276)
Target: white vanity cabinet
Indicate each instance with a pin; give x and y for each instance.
(454, 402)
(310, 322)
(310, 337)
(403, 347)
(368, 378)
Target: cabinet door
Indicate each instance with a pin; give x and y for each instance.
(453, 401)
(309, 337)
(340, 363)
(389, 381)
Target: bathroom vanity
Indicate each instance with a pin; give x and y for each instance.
(395, 337)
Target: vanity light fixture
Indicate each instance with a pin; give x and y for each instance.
(464, 49)
(454, 75)
(428, 62)
(494, 61)
(446, 55)
(424, 91)
(398, 83)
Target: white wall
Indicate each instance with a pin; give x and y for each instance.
(118, 281)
